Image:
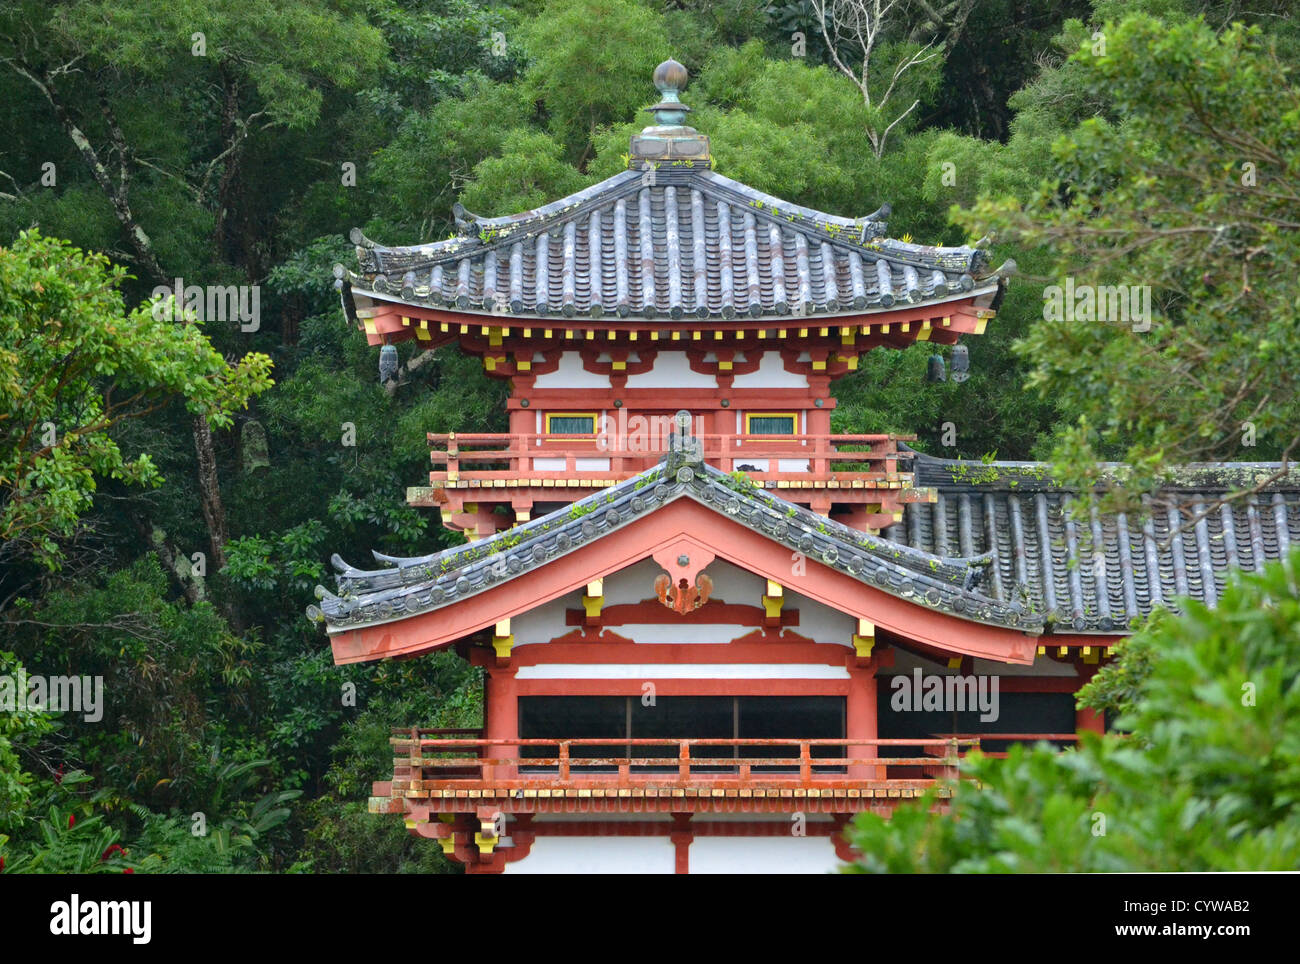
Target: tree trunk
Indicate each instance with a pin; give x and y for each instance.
(118, 193)
(214, 510)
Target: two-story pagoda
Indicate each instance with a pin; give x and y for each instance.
(712, 630)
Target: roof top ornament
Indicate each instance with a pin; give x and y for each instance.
(669, 139)
(670, 80)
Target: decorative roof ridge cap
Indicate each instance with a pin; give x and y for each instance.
(473, 224)
(1195, 474)
(615, 181)
(771, 200)
(534, 528)
(847, 536)
(869, 231)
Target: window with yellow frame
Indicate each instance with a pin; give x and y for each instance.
(771, 423)
(570, 423)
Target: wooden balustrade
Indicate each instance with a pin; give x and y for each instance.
(499, 456)
(428, 762)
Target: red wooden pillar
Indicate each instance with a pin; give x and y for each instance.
(523, 425)
(724, 425)
(819, 418)
(501, 719)
(860, 720)
(1087, 720)
(681, 837)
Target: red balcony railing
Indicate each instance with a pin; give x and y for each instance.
(429, 765)
(486, 459)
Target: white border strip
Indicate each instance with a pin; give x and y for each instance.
(649, 671)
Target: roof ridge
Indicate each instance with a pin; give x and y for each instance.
(930, 470)
(422, 584)
(868, 236)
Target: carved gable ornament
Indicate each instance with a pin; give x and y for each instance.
(683, 586)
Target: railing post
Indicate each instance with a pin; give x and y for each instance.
(805, 761)
(416, 773)
(453, 458)
(564, 760)
(684, 760)
(951, 758)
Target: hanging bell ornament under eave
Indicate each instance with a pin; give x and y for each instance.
(934, 369)
(960, 363)
(387, 363)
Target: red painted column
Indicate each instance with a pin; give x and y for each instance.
(1087, 720)
(681, 836)
(523, 422)
(819, 419)
(724, 424)
(501, 718)
(860, 719)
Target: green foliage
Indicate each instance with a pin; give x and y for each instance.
(20, 730)
(1181, 185)
(73, 365)
(528, 172)
(1207, 780)
(581, 85)
(286, 51)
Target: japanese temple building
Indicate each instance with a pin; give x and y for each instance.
(711, 628)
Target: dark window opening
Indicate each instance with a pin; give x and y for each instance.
(770, 424)
(675, 718)
(575, 424)
(1017, 713)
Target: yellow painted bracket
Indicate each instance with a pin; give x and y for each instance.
(773, 600)
(864, 640)
(502, 639)
(594, 600)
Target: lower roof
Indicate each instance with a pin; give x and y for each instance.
(997, 546)
(1089, 571)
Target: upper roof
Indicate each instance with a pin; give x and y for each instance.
(670, 238)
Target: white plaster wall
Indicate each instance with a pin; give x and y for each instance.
(571, 374)
(707, 671)
(654, 634)
(544, 623)
(821, 623)
(633, 584)
(598, 855)
(1042, 666)
(671, 370)
(905, 662)
(763, 855)
(731, 584)
(735, 585)
(771, 374)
